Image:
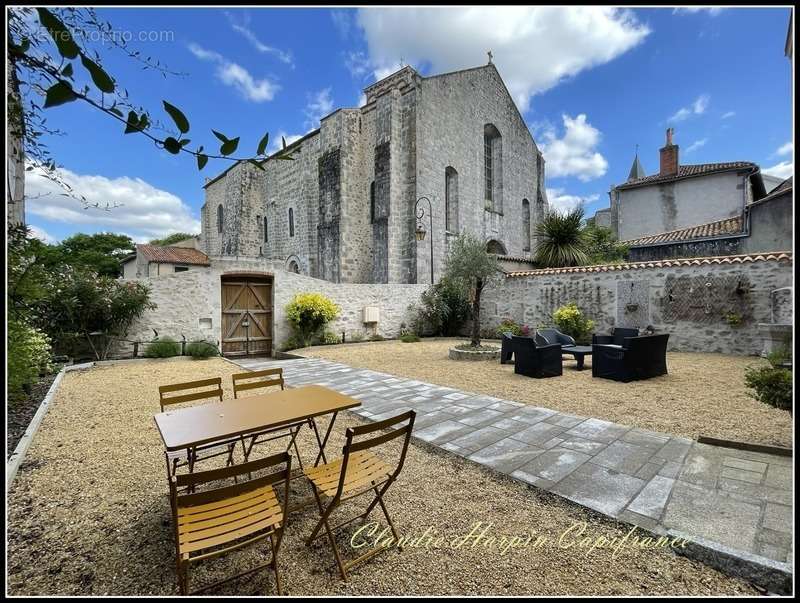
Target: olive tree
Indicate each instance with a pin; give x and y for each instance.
(474, 268)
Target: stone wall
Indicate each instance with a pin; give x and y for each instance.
(189, 304)
(695, 302)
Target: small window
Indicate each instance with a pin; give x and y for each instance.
(220, 218)
(259, 225)
(291, 222)
(181, 268)
(266, 235)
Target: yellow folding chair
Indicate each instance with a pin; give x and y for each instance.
(358, 472)
(210, 523)
(192, 391)
(262, 379)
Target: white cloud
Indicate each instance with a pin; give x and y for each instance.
(698, 107)
(786, 149)
(728, 115)
(563, 202)
(276, 143)
(319, 105)
(782, 170)
(357, 64)
(573, 154)
(697, 144)
(42, 235)
(341, 21)
(243, 27)
(236, 76)
(562, 41)
(137, 208)
(711, 10)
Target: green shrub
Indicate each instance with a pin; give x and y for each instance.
(201, 349)
(163, 348)
(330, 338)
(571, 321)
(376, 337)
(779, 356)
(409, 338)
(443, 309)
(509, 325)
(357, 337)
(308, 313)
(770, 385)
(28, 356)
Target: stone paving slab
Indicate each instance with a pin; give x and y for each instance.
(734, 501)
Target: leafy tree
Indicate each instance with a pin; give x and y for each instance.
(602, 244)
(51, 63)
(443, 308)
(28, 277)
(562, 241)
(96, 310)
(172, 239)
(472, 267)
(101, 253)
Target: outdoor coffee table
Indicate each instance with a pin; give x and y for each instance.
(579, 352)
(192, 426)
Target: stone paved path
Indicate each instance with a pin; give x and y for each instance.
(737, 503)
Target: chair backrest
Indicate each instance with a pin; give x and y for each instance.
(647, 353)
(208, 388)
(622, 333)
(352, 446)
(555, 336)
(267, 378)
(184, 486)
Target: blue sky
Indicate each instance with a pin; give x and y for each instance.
(592, 84)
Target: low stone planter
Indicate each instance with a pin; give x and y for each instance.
(456, 354)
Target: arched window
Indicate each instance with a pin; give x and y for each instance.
(497, 247)
(372, 202)
(492, 168)
(291, 222)
(266, 233)
(526, 225)
(293, 267)
(220, 218)
(450, 199)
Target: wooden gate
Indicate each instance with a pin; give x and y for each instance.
(246, 316)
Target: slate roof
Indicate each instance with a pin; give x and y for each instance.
(689, 171)
(777, 256)
(728, 226)
(173, 255)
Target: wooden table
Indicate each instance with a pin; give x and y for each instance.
(192, 426)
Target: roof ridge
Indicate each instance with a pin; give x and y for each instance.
(725, 259)
(666, 233)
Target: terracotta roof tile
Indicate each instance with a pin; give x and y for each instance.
(173, 255)
(728, 226)
(687, 171)
(776, 256)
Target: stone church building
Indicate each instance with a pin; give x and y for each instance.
(344, 209)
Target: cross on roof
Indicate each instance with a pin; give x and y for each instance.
(489, 52)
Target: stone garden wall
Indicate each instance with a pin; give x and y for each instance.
(189, 304)
(711, 305)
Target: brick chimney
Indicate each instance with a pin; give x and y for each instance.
(669, 156)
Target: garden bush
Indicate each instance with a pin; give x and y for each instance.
(571, 321)
(308, 313)
(509, 325)
(443, 309)
(28, 356)
(409, 338)
(330, 338)
(771, 385)
(201, 349)
(164, 347)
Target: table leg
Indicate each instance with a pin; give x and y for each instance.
(324, 441)
(579, 358)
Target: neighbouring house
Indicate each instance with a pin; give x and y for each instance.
(699, 210)
(150, 261)
(345, 210)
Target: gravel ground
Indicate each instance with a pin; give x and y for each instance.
(20, 412)
(704, 394)
(89, 515)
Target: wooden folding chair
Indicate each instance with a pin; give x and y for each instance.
(358, 472)
(204, 389)
(210, 523)
(260, 379)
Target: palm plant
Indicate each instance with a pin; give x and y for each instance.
(561, 240)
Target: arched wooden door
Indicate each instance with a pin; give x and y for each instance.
(246, 316)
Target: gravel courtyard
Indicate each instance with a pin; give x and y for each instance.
(703, 394)
(89, 514)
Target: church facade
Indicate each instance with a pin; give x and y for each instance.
(346, 208)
